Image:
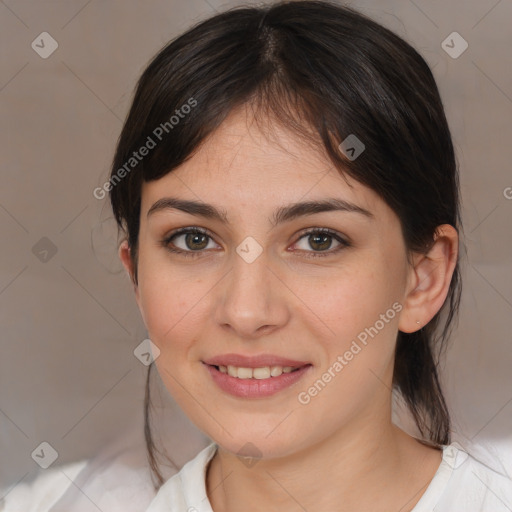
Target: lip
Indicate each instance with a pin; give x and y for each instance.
(255, 388)
(258, 361)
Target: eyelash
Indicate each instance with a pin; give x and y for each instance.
(197, 230)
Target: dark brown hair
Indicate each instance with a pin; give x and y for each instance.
(326, 72)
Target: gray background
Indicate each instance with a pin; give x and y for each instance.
(69, 322)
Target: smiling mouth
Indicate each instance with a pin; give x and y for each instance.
(257, 381)
(264, 372)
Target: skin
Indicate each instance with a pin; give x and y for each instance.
(341, 447)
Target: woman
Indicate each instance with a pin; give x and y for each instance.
(288, 188)
(292, 238)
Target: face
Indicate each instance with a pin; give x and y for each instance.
(319, 291)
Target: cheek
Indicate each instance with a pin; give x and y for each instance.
(170, 306)
(360, 306)
(348, 301)
(172, 310)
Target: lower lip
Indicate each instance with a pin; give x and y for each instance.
(255, 388)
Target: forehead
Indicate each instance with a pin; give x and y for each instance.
(248, 161)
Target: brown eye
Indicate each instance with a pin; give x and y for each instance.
(321, 240)
(188, 241)
(195, 241)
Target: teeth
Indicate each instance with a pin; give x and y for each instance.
(275, 371)
(259, 373)
(244, 373)
(264, 372)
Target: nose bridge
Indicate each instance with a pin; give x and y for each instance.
(250, 296)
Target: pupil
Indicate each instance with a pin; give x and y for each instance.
(192, 237)
(325, 244)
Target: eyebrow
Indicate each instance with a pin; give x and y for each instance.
(281, 215)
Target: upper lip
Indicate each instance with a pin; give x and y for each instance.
(258, 361)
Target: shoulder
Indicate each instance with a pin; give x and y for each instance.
(479, 485)
(462, 482)
(186, 491)
(117, 478)
(113, 481)
(40, 494)
(113, 485)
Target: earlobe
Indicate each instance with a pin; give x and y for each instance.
(126, 259)
(429, 280)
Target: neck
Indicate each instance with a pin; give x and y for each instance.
(361, 467)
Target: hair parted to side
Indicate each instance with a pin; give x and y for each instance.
(326, 72)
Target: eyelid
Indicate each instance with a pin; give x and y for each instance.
(328, 231)
(188, 229)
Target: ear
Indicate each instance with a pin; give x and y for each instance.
(126, 259)
(429, 280)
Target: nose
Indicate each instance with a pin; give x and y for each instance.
(252, 300)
